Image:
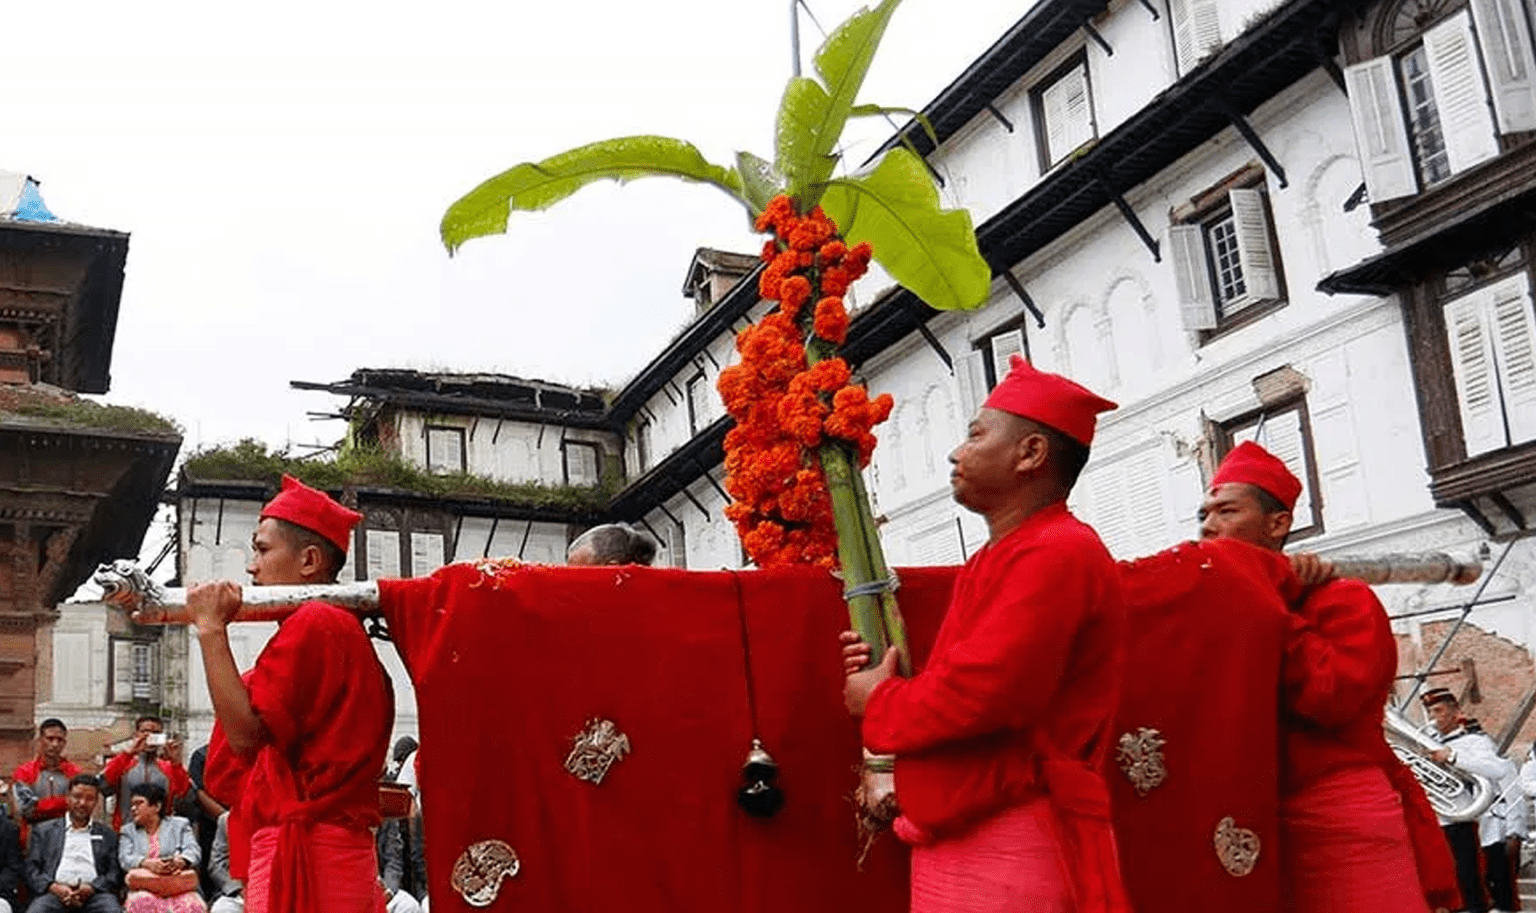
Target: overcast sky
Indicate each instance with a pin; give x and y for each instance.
(282, 168)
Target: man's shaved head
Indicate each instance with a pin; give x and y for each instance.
(611, 543)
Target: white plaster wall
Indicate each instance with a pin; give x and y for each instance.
(506, 451)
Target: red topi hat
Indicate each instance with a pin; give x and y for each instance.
(314, 510)
(1049, 399)
(1251, 464)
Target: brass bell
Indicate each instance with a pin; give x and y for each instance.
(759, 797)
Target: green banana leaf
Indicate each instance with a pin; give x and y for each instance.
(883, 110)
(539, 185)
(759, 182)
(812, 114)
(931, 251)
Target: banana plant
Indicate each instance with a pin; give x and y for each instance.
(892, 204)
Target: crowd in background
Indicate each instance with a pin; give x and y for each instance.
(142, 835)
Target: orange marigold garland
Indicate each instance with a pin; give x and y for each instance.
(790, 396)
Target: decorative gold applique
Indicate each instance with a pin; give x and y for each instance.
(1236, 847)
(1141, 758)
(594, 750)
(478, 873)
(496, 571)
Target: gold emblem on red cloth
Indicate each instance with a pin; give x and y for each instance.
(1141, 759)
(1236, 847)
(594, 750)
(481, 868)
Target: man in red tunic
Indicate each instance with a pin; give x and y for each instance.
(1357, 833)
(1000, 740)
(300, 740)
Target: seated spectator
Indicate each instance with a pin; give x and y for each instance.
(229, 892)
(10, 864)
(203, 810)
(72, 861)
(391, 848)
(152, 758)
(159, 853)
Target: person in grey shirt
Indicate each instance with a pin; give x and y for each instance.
(230, 892)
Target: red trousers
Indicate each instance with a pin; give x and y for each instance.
(345, 860)
(1009, 862)
(1345, 849)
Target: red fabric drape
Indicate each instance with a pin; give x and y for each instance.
(510, 667)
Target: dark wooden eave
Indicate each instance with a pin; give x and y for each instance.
(88, 320)
(679, 469)
(465, 505)
(1043, 29)
(1458, 238)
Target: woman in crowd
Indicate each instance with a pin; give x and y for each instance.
(159, 853)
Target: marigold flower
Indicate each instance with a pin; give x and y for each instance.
(831, 320)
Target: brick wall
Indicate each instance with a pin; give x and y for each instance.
(1503, 672)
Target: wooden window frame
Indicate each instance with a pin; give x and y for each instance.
(991, 369)
(694, 419)
(463, 448)
(1227, 431)
(597, 461)
(157, 675)
(1214, 206)
(1037, 110)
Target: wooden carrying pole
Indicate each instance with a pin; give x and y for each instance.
(126, 587)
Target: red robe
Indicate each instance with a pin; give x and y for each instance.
(1338, 672)
(1207, 628)
(1017, 698)
(176, 775)
(326, 712)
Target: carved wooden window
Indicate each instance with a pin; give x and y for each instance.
(1285, 431)
(1225, 262)
(1450, 79)
(1196, 28)
(445, 449)
(1491, 332)
(1064, 112)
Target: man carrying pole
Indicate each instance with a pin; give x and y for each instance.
(999, 740)
(300, 740)
(1356, 831)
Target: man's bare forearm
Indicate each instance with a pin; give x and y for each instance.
(231, 702)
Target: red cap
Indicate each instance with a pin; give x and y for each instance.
(1251, 464)
(314, 510)
(1049, 399)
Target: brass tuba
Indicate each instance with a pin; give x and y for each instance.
(1456, 794)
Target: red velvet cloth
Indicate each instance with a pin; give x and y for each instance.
(1339, 665)
(1207, 628)
(1017, 698)
(510, 665)
(326, 711)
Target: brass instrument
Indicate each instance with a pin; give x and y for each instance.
(1456, 794)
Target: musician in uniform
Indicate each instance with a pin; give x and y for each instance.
(1472, 751)
(1355, 826)
(1501, 828)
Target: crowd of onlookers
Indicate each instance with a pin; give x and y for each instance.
(143, 836)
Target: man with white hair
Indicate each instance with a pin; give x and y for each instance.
(611, 543)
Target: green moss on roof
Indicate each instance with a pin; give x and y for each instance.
(369, 466)
(62, 410)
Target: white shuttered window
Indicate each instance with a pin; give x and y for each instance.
(1381, 133)
(1460, 93)
(1491, 333)
(1285, 434)
(1227, 264)
(1067, 112)
(1196, 30)
(1504, 35)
